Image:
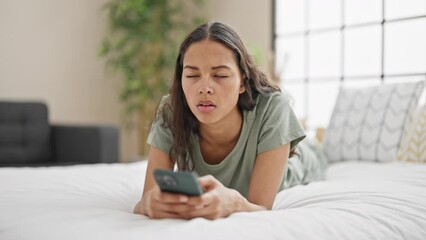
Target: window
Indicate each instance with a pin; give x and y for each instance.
(322, 45)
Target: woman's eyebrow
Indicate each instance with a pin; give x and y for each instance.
(190, 67)
(220, 66)
(213, 68)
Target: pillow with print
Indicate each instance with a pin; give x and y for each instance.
(367, 124)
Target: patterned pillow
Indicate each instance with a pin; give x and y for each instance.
(413, 148)
(367, 124)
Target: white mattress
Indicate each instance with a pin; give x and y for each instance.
(357, 201)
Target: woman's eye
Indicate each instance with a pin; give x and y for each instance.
(220, 76)
(192, 76)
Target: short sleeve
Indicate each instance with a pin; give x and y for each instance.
(159, 135)
(279, 124)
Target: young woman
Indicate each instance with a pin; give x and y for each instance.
(225, 121)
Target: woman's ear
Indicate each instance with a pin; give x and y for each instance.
(242, 85)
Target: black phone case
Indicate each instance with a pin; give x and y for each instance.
(183, 182)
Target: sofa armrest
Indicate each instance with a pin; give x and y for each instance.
(85, 144)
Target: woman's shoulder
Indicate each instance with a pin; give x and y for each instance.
(163, 111)
(267, 104)
(164, 104)
(274, 99)
(165, 99)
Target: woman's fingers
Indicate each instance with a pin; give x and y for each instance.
(207, 206)
(170, 202)
(165, 205)
(165, 197)
(208, 182)
(172, 207)
(207, 211)
(162, 214)
(170, 197)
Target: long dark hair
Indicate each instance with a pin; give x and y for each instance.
(182, 121)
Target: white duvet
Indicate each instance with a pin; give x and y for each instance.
(357, 201)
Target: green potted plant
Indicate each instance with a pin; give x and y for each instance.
(142, 46)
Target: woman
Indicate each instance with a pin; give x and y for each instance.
(225, 121)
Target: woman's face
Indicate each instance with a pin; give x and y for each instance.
(211, 81)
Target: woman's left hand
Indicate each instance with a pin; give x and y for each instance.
(217, 201)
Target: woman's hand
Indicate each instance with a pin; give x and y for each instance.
(156, 204)
(217, 201)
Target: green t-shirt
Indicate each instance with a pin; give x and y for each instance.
(272, 123)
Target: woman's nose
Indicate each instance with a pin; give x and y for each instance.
(205, 87)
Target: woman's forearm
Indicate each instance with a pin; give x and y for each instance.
(246, 206)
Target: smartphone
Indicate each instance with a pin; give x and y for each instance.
(183, 182)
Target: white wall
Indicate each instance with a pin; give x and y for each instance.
(251, 19)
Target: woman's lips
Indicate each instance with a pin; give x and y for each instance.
(206, 106)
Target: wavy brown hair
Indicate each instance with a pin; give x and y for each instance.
(182, 121)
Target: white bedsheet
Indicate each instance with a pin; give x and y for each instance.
(357, 201)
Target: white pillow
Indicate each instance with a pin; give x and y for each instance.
(367, 124)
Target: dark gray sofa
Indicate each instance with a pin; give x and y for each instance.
(27, 139)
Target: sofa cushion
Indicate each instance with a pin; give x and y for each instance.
(24, 133)
(367, 124)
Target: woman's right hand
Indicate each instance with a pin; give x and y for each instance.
(156, 204)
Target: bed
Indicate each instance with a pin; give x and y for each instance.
(374, 187)
(357, 200)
